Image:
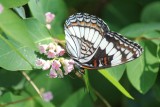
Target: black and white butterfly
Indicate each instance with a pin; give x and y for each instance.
(91, 44)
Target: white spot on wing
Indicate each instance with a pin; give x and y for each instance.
(72, 31)
(82, 31)
(129, 55)
(76, 29)
(98, 41)
(116, 54)
(109, 47)
(126, 51)
(86, 31)
(103, 44)
(116, 59)
(95, 36)
(91, 34)
(113, 51)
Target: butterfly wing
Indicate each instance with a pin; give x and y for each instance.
(82, 31)
(92, 45)
(113, 50)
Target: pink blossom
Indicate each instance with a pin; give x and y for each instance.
(43, 48)
(60, 51)
(56, 64)
(52, 73)
(60, 73)
(51, 46)
(48, 26)
(49, 17)
(51, 53)
(40, 62)
(71, 61)
(1, 8)
(68, 67)
(46, 65)
(47, 96)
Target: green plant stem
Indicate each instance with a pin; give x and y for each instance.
(14, 102)
(102, 98)
(32, 83)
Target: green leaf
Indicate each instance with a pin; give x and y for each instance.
(57, 7)
(88, 86)
(115, 83)
(153, 36)
(142, 72)
(139, 29)
(15, 57)
(77, 100)
(18, 57)
(151, 12)
(15, 28)
(38, 31)
(117, 71)
(8, 98)
(13, 3)
(7, 78)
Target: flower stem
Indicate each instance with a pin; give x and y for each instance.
(32, 83)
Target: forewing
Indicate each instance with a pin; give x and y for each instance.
(82, 32)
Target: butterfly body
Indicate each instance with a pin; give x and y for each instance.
(92, 45)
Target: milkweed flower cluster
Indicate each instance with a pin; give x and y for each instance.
(49, 17)
(55, 62)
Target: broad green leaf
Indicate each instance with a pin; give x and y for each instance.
(14, 56)
(77, 100)
(151, 12)
(139, 29)
(57, 7)
(37, 31)
(7, 78)
(21, 57)
(15, 28)
(115, 83)
(13, 3)
(117, 71)
(142, 72)
(153, 36)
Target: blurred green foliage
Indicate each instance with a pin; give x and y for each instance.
(22, 27)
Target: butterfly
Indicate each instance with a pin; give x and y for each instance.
(91, 44)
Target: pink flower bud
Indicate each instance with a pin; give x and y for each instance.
(60, 73)
(51, 46)
(68, 66)
(1, 8)
(47, 96)
(60, 51)
(68, 69)
(40, 62)
(51, 53)
(71, 61)
(43, 48)
(49, 17)
(46, 65)
(48, 26)
(52, 73)
(56, 65)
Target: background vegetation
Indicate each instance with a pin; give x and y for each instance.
(22, 27)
